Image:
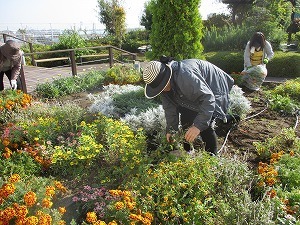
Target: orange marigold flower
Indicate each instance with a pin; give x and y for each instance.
(130, 205)
(7, 155)
(271, 193)
(21, 210)
(149, 216)
(50, 191)
(14, 178)
(91, 217)
(119, 205)
(30, 198)
(60, 186)
(5, 142)
(8, 213)
(46, 203)
(61, 222)
(116, 193)
(6, 190)
(32, 220)
(127, 193)
(99, 222)
(292, 153)
(112, 223)
(62, 210)
(45, 219)
(270, 181)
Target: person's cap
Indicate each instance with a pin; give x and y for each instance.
(11, 49)
(156, 76)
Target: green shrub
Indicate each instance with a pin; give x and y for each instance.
(69, 85)
(284, 64)
(230, 62)
(286, 141)
(122, 75)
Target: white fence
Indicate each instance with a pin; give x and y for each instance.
(44, 34)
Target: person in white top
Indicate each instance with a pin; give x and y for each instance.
(257, 54)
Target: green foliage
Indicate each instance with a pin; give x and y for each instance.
(134, 39)
(178, 32)
(122, 75)
(232, 38)
(288, 172)
(75, 152)
(285, 97)
(230, 62)
(123, 152)
(19, 163)
(134, 100)
(112, 15)
(284, 64)
(286, 141)
(70, 85)
(70, 39)
(289, 88)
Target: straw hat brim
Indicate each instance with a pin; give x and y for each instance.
(151, 92)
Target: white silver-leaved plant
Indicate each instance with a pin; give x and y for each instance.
(103, 102)
(151, 120)
(239, 104)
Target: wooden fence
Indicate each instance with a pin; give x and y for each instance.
(70, 56)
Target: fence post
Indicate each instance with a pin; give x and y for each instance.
(22, 79)
(73, 63)
(111, 57)
(32, 56)
(4, 38)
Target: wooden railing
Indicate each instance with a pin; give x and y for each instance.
(70, 56)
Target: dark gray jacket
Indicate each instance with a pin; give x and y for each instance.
(199, 86)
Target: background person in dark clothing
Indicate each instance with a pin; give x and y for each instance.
(10, 63)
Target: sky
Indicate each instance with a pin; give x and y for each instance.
(65, 14)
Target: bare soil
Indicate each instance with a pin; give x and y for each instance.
(260, 124)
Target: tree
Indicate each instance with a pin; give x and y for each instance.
(146, 19)
(112, 15)
(176, 29)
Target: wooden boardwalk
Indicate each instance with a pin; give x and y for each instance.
(35, 75)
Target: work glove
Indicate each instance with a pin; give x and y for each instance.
(13, 84)
(265, 61)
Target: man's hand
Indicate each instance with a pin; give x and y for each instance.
(13, 84)
(169, 137)
(191, 134)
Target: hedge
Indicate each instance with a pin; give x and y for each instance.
(284, 64)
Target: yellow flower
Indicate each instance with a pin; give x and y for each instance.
(30, 198)
(112, 223)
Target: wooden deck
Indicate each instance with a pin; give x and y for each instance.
(35, 75)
